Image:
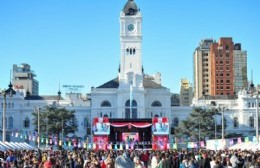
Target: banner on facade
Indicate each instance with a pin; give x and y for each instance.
(160, 126)
(101, 126)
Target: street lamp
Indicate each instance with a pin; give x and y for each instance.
(4, 114)
(222, 121)
(257, 127)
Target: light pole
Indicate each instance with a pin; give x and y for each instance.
(222, 123)
(4, 114)
(257, 127)
(38, 138)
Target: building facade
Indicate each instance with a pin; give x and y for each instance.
(24, 79)
(186, 93)
(132, 94)
(240, 68)
(222, 63)
(202, 69)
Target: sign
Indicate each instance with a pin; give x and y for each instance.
(101, 126)
(160, 126)
(129, 137)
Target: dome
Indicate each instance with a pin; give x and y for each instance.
(130, 8)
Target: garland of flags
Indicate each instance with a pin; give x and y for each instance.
(72, 142)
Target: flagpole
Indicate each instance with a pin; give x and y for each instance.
(131, 97)
(38, 139)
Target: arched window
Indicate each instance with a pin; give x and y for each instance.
(105, 104)
(235, 121)
(156, 104)
(10, 122)
(251, 121)
(105, 116)
(26, 122)
(176, 122)
(134, 51)
(156, 115)
(86, 122)
(133, 109)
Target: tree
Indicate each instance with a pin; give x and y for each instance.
(54, 120)
(200, 122)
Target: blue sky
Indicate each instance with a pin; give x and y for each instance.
(77, 42)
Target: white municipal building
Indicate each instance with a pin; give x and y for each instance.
(130, 87)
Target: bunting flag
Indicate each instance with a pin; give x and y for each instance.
(202, 144)
(175, 146)
(239, 140)
(121, 147)
(55, 142)
(46, 141)
(50, 141)
(94, 146)
(89, 146)
(79, 145)
(168, 146)
(42, 140)
(115, 147)
(60, 143)
(33, 138)
(84, 145)
(246, 139)
(231, 142)
(16, 134)
(254, 138)
(132, 146)
(74, 144)
(126, 146)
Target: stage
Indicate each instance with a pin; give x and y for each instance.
(138, 131)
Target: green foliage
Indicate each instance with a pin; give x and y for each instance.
(200, 121)
(53, 119)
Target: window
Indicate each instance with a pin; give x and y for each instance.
(251, 121)
(235, 122)
(86, 122)
(26, 122)
(176, 122)
(131, 109)
(105, 104)
(10, 122)
(156, 104)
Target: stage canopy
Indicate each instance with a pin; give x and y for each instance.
(131, 124)
(254, 146)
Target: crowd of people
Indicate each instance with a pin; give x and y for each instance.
(82, 158)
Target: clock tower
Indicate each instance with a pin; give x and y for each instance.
(130, 46)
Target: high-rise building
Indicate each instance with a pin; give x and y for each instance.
(186, 93)
(24, 79)
(220, 68)
(222, 63)
(240, 68)
(201, 69)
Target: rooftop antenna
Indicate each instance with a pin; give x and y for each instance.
(59, 94)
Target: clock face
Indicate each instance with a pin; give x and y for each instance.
(131, 27)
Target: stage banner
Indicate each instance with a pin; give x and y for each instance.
(160, 126)
(130, 137)
(100, 142)
(101, 126)
(160, 142)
